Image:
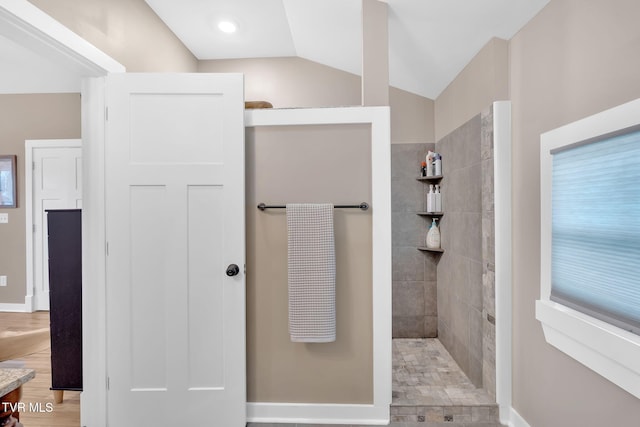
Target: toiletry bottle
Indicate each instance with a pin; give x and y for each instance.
(423, 169)
(437, 165)
(430, 199)
(430, 156)
(433, 236)
(438, 200)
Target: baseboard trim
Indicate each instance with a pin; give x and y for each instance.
(14, 308)
(313, 413)
(517, 420)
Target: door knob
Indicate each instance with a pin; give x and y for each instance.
(233, 270)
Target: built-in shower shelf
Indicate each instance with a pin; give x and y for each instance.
(426, 249)
(429, 178)
(436, 214)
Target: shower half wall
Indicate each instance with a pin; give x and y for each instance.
(465, 272)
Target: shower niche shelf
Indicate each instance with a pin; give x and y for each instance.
(428, 179)
(431, 214)
(426, 249)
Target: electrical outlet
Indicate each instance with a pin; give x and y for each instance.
(4, 218)
(3, 280)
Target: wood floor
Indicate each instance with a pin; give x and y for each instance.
(36, 394)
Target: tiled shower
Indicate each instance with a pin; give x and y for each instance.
(451, 295)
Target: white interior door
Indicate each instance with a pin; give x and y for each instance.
(175, 221)
(56, 184)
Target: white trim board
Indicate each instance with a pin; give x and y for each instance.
(30, 27)
(516, 420)
(378, 118)
(16, 308)
(30, 144)
(503, 273)
(93, 399)
(305, 413)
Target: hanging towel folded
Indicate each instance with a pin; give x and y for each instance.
(312, 273)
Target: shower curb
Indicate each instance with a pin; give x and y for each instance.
(468, 414)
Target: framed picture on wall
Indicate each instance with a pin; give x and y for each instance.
(8, 179)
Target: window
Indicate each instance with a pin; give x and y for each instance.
(595, 228)
(590, 242)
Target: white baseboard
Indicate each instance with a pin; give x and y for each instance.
(303, 413)
(15, 308)
(517, 420)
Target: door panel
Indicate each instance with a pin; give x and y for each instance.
(206, 356)
(175, 220)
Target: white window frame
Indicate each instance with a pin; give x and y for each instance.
(608, 350)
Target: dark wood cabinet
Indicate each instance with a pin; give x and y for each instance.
(65, 298)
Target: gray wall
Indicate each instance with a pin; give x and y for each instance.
(414, 273)
(483, 80)
(574, 59)
(460, 270)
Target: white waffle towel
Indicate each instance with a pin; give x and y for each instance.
(312, 272)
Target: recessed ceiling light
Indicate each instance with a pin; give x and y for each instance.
(227, 27)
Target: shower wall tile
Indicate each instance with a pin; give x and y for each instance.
(462, 272)
(406, 159)
(486, 134)
(475, 333)
(408, 327)
(472, 188)
(430, 262)
(475, 371)
(488, 255)
(414, 303)
(407, 195)
(408, 299)
(408, 229)
(456, 152)
(431, 326)
(488, 236)
(430, 293)
(487, 185)
(473, 229)
(407, 264)
(475, 284)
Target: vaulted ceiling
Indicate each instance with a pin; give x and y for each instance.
(430, 41)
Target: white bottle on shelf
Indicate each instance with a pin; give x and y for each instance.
(431, 199)
(438, 200)
(429, 160)
(433, 236)
(437, 165)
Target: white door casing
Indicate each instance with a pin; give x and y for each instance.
(53, 181)
(174, 221)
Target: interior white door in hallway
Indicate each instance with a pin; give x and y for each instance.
(175, 223)
(56, 183)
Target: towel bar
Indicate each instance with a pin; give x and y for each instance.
(364, 206)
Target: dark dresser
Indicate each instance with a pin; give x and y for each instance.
(65, 299)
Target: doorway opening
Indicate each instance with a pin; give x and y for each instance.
(451, 308)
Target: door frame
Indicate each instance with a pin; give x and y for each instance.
(30, 145)
(28, 26)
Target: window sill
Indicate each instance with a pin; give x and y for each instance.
(610, 351)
